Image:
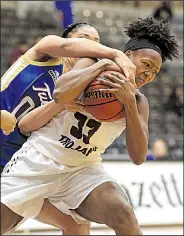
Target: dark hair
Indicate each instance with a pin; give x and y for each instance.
(157, 32)
(73, 28)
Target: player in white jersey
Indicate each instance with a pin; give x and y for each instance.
(61, 161)
(37, 62)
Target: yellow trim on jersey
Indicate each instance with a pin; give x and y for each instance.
(11, 73)
(20, 65)
(52, 62)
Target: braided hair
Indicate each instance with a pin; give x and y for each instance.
(73, 28)
(157, 32)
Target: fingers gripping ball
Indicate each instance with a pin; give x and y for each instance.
(103, 106)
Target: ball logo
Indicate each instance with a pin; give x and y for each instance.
(97, 94)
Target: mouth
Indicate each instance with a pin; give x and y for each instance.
(139, 81)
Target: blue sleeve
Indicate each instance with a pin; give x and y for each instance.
(6, 99)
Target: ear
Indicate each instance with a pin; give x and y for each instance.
(128, 53)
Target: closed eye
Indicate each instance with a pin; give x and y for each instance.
(146, 64)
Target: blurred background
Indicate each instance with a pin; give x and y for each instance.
(156, 187)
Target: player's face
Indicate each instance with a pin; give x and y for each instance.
(87, 32)
(148, 63)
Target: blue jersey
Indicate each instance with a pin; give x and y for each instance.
(25, 86)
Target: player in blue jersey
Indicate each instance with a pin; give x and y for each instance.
(30, 82)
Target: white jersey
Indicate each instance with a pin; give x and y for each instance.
(76, 138)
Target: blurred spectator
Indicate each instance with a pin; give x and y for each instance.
(64, 13)
(24, 7)
(159, 150)
(18, 51)
(175, 102)
(164, 11)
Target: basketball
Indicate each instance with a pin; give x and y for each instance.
(103, 106)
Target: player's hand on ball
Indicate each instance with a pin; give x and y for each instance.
(113, 67)
(121, 87)
(8, 122)
(126, 65)
(109, 64)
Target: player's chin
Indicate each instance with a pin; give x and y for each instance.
(139, 85)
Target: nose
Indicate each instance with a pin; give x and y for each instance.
(147, 73)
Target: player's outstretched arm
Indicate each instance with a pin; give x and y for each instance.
(7, 122)
(73, 83)
(58, 47)
(38, 117)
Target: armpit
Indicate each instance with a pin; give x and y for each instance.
(138, 96)
(68, 63)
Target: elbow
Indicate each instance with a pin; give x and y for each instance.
(23, 127)
(138, 155)
(139, 161)
(59, 97)
(56, 96)
(139, 158)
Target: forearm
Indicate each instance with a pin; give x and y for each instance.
(136, 134)
(58, 47)
(39, 117)
(86, 48)
(72, 84)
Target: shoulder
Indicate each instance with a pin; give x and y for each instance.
(39, 50)
(50, 39)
